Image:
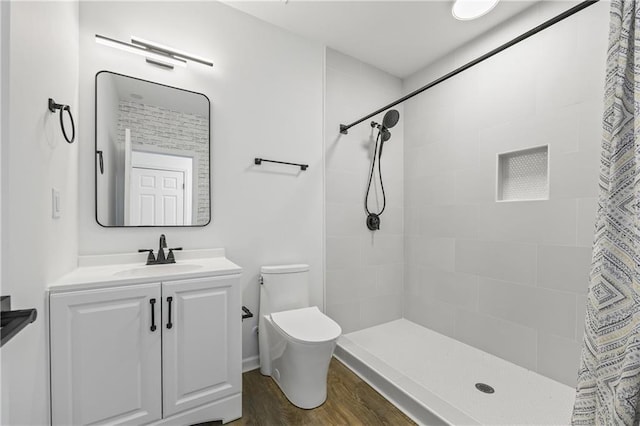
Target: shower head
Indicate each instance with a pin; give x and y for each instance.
(391, 118)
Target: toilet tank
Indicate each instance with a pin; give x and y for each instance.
(284, 287)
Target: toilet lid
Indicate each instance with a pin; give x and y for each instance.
(307, 325)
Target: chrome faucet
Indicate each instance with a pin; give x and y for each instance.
(161, 259)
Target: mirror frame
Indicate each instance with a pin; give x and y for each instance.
(95, 154)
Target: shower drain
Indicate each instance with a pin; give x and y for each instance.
(483, 387)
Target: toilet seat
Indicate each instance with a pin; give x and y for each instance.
(307, 325)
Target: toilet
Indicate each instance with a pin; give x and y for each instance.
(296, 340)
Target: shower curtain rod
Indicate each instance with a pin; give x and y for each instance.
(344, 128)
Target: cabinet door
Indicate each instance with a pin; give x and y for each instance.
(201, 353)
(105, 359)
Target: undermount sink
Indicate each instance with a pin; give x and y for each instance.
(150, 270)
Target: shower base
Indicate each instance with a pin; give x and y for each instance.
(432, 378)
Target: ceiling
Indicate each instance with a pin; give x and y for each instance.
(399, 37)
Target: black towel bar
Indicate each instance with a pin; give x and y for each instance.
(259, 161)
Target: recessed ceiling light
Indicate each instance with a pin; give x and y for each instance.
(466, 10)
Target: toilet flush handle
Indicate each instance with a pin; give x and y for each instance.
(246, 313)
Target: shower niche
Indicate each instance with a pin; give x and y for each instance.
(523, 175)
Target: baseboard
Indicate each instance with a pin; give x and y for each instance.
(251, 363)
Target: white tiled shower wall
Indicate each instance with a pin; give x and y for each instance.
(364, 269)
(507, 277)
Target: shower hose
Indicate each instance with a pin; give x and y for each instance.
(373, 219)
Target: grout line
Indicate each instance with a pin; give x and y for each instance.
(537, 266)
(577, 216)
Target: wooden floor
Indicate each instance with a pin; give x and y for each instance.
(350, 401)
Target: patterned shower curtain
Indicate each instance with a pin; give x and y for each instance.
(608, 390)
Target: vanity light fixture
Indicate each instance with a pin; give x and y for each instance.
(154, 53)
(466, 10)
(175, 53)
(152, 57)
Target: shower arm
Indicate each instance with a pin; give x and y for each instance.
(344, 128)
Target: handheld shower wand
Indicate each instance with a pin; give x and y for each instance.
(389, 120)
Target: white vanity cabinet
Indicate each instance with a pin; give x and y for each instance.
(105, 360)
(201, 351)
(164, 351)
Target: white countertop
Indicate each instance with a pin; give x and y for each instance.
(125, 269)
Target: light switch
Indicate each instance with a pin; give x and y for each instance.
(55, 203)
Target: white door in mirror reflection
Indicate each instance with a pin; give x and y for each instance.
(160, 190)
(157, 197)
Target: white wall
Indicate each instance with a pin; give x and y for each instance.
(36, 249)
(266, 101)
(509, 278)
(364, 268)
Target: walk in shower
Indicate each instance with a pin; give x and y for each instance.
(462, 285)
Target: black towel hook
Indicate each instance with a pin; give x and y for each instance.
(53, 106)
